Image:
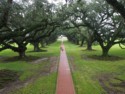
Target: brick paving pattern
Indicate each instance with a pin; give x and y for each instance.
(64, 81)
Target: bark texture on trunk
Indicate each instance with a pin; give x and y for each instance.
(89, 45)
(105, 51)
(21, 50)
(36, 47)
(22, 54)
(82, 42)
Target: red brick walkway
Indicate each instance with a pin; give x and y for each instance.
(64, 81)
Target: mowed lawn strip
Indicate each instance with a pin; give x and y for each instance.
(45, 82)
(90, 75)
(93, 76)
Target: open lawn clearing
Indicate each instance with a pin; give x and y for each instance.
(90, 74)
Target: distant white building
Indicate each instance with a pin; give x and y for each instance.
(62, 38)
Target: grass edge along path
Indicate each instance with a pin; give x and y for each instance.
(87, 72)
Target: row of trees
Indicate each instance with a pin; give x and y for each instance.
(37, 21)
(27, 21)
(98, 22)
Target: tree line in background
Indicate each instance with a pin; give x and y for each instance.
(28, 21)
(98, 21)
(39, 22)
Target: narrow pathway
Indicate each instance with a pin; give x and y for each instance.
(64, 81)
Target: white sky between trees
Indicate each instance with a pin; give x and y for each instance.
(54, 1)
(62, 1)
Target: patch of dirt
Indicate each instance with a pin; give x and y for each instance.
(39, 60)
(108, 58)
(48, 68)
(54, 61)
(1, 57)
(7, 77)
(71, 63)
(110, 87)
(41, 50)
(16, 58)
(120, 84)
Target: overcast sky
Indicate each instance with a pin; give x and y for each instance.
(54, 1)
(63, 1)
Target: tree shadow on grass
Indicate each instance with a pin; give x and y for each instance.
(49, 67)
(101, 58)
(111, 84)
(7, 76)
(16, 58)
(89, 50)
(37, 51)
(108, 58)
(44, 47)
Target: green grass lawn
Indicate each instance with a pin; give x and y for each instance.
(45, 83)
(91, 76)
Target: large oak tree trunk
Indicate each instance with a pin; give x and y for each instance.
(82, 42)
(43, 44)
(22, 54)
(21, 50)
(89, 45)
(36, 47)
(105, 50)
(77, 42)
